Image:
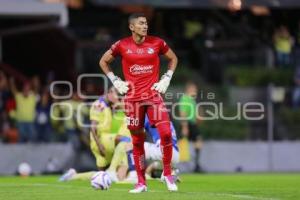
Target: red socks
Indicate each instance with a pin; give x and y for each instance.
(138, 140)
(166, 146)
(139, 155)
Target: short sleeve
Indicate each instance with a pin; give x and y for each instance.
(163, 47)
(115, 48)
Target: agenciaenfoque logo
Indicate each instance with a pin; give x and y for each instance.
(150, 51)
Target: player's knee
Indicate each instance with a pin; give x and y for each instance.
(164, 132)
(138, 137)
(166, 139)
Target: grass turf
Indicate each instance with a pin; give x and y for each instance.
(194, 186)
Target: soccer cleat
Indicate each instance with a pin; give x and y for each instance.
(112, 175)
(138, 188)
(171, 185)
(68, 175)
(175, 174)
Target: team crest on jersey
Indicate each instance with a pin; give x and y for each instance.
(99, 106)
(150, 51)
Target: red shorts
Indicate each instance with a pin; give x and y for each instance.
(136, 111)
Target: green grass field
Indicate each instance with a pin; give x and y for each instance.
(202, 187)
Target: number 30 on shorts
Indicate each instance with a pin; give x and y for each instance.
(131, 121)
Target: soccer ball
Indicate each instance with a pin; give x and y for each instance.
(24, 169)
(101, 181)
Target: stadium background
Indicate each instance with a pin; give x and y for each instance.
(226, 47)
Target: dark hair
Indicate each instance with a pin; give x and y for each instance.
(190, 83)
(135, 16)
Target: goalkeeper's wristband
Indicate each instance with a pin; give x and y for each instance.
(169, 73)
(111, 76)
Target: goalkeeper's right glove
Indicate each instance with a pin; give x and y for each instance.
(120, 85)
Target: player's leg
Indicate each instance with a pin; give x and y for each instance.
(123, 165)
(149, 155)
(153, 153)
(132, 175)
(68, 175)
(195, 137)
(135, 113)
(175, 170)
(138, 151)
(158, 115)
(119, 159)
(101, 163)
(83, 176)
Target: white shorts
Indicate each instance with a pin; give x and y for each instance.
(153, 153)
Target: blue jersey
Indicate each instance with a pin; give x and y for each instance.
(155, 135)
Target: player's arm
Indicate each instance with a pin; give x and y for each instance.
(105, 61)
(100, 146)
(199, 115)
(13, 87)
(173, 60)
(104, 64)
(164, 82)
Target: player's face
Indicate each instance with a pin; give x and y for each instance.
(112, 95)
(26, 89)
(192, 90)
(139, 26)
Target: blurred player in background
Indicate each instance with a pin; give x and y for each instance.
(102, 140)
(189, 126)
(140, 62)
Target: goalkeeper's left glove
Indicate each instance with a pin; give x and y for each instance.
(164, 82)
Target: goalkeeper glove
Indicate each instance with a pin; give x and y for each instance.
(164, 82)
(120, 85)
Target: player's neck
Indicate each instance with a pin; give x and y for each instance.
(138, 39)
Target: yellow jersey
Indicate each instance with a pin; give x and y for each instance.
(101, 113)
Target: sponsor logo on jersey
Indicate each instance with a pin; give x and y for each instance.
(141, 69)
(129, 51)
(150, 51)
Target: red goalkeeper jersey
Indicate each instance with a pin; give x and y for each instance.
(140, 64)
